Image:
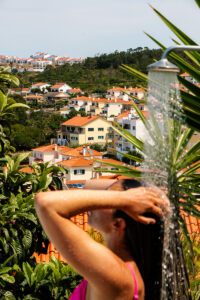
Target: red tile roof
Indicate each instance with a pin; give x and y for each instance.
(111, 161)
(130, 89)
(57, 85)
(78, 152)
(74, 91)
(102, 100)
(52, 148)
(74, 181)
(76, 162)
(27, 170)
(80, 121)
(39, 84)
(185, 74)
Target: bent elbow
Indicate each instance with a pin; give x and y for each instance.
(40, 201)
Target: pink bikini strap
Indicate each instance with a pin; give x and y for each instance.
(136, 286)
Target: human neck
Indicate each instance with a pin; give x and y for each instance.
(119, 248)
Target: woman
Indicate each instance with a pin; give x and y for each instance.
(115, 272)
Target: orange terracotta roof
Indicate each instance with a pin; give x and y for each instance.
(27, 170)
(126, 113)
(130, 89)
(57, 85)
(39, 83)
(52, 148)
(102, 100)
(73, 91)
(79, 152)
(76, 162)
(123, 115)
(34, 96)
(74, 181)
(185, 74)
(80, 121)
(111, 161)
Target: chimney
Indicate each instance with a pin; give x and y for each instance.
(84, 151)
(56, 147)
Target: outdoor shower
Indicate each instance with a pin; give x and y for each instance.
(165, 124)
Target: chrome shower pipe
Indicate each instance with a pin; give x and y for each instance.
(164, 64)
(180, 48)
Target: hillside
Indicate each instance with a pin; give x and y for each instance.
(101, 72)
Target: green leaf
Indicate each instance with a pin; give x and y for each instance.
(7, 278)
(132, 71)
(27, 272)
(16, 105)
(9, 296)
(131, 157)
(4, 270)
(3, 101)
(198, 3)
(190, 86)
(27, 239)
(180, 34)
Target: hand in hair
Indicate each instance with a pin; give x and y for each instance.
(143, 200)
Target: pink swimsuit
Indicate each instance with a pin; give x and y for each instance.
(80, 291)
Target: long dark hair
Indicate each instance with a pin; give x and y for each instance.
(145, 243)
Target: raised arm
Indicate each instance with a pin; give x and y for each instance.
(95, 262)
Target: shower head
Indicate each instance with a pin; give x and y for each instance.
(163, 65)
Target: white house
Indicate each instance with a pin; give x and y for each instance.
(123, 93)
(51, 153)
(133, 124)
(42, 86)
(60, 87)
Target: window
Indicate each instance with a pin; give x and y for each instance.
(101, 129)
(110, 136)
(90, 129)
(90, 138)
(100, 137)
(133, 127)
(79, 172)
(74, 138)
(34, 155)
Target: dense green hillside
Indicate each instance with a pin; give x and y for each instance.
(101, 72)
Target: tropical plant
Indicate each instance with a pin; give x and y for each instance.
(20, 230)
(6, 107)
(50, 280)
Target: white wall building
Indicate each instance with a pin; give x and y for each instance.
(42, 86)
(133, 124)
(60, 87)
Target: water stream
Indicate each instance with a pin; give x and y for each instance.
(164, 105)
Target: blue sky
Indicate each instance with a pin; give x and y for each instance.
(82, 28)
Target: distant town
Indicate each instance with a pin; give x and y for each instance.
(36, 62)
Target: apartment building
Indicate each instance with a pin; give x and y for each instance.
(83, 130)
(100, 106)
(125, 93)
(133, 124)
